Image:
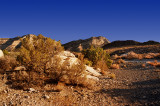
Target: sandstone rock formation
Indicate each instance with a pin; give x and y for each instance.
(79, 45)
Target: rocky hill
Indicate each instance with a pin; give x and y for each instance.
(11, 43)
(79, 45)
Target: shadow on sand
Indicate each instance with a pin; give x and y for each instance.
(145, 92)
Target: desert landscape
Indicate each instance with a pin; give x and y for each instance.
(39, 71)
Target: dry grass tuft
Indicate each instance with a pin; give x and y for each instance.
(119, 61)
(132, 55)
(102, 66)
(60, 86)
(7, 63)
(112, 76)
(143, 65)
(115, 66)
(115, 57)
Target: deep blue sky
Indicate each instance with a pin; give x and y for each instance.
(68, 20)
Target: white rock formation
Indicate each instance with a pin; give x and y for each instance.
(1, 54)
(92, 71)
(70, 60)
(92, 77)
(67, 57)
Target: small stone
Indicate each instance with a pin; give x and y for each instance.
(4, 104)
(144, 97)
(26, 97)
(5, 91)
(32, 90)
(46, 97)
(11, 103)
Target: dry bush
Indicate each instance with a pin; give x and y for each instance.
(35, 54)
(60, 86)
(115, 57)
(102, 66)
(74, 74)
(115, 66)
(7, 63)
(90, 84)
(124, 66)
(112, 76)
(26, 79)
(43, 66)
(132, 55)
(155, 63)
(63, 74)
(151, 55)
(140, 56)
(119, 61)
(37, 51)
(143, 65)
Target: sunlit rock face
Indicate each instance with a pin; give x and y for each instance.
(1, 54)
(79, 45)
(11, 44)
(70, 58)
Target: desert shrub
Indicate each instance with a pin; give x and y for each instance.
(37, 51)
(8, 63)
(5, 52)
(112, 76)
(39, 55)
(87, 62)
(102, 66)
(115, 66)
(143, 65)
(74, 74)
(97, 54)
(35, 54)
(119, 61)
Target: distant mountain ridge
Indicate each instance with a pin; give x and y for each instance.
(11, 44)
(121, 43)
(79, 45)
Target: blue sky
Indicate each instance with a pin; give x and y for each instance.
(68, 20)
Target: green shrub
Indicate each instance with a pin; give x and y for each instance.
(36, 51)
(38, 55)
(5, 52)
(97, 54)
(87, 62)
(35, 54)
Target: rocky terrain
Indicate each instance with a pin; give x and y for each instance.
(133, 83)
(11, 44)
(79, 45)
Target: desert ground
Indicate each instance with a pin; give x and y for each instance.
(135, 83)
